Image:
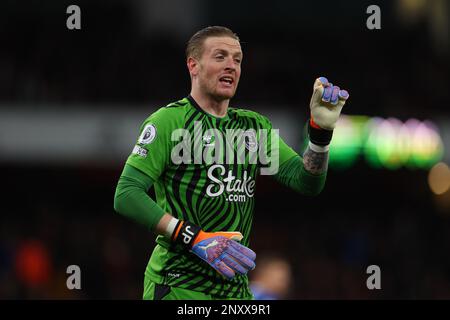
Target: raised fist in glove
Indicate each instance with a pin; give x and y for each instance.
(326, 105)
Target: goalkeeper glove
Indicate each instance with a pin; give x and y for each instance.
(326, 105)
(218, 249)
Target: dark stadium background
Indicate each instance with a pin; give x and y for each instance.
(128, 59)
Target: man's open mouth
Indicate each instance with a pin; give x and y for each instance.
(227, 80)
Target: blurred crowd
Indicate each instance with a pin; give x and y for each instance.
(113, 59)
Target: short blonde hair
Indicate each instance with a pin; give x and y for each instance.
(194, 46)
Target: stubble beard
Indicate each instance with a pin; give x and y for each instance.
(212, 93)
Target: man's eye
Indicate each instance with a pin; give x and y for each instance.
(237, 60)
(220, 57)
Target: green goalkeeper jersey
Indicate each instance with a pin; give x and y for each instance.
(206, 178)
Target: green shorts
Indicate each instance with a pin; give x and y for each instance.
(155, 291)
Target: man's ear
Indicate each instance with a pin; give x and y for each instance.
(192, 65)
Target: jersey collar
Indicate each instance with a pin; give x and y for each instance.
(196, 106)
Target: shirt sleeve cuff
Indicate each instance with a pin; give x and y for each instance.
(319, 149)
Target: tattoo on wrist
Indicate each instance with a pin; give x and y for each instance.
(315, 162)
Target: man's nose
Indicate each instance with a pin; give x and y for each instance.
(230, 64)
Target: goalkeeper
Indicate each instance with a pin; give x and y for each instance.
(204, 210)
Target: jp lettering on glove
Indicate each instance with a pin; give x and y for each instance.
(325, 106)
(219, 249)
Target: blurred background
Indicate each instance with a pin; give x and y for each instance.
(72, 101)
